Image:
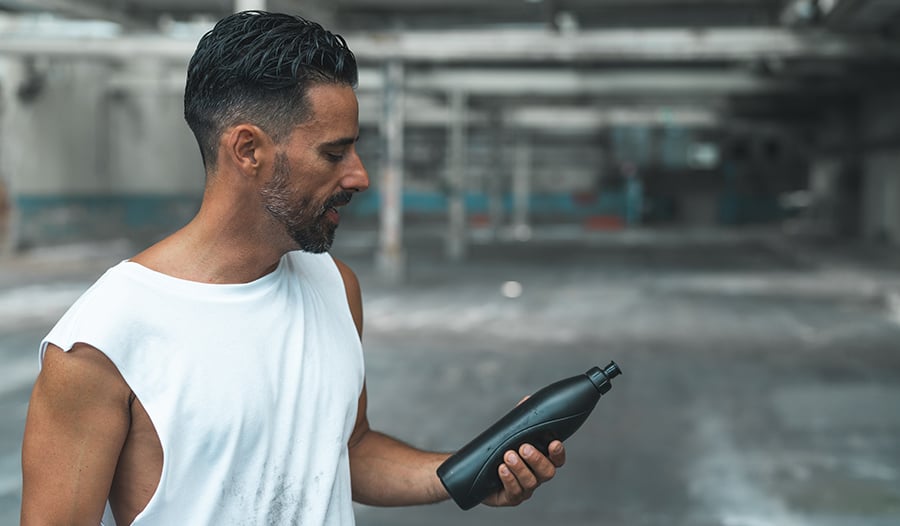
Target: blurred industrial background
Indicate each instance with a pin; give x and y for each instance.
(706, 191)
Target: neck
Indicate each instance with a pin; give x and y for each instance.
(230, 240)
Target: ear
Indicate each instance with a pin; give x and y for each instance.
(249, 149)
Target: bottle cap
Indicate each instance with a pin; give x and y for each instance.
(601, 377)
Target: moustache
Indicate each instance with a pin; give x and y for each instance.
(339, 199)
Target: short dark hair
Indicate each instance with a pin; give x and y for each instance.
(257, 67)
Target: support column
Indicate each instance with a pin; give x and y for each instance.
(12, 73)
(842, 133)
(521, 188)
(249, 5)
(879, 156)
(824, 176)
(495, 183)
(457, 233)
(321, 11)
(391, 258)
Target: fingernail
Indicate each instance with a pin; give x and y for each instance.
(527, 451)
(504, 470)
(511, 459)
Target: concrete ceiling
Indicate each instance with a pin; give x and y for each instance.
(769, 59)
(377, 15)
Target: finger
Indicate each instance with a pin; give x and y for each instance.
(513, 491)
(527, 480)
(540, 466)
(522, 400)
(557, 453)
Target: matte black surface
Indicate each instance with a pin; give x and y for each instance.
(553, 413)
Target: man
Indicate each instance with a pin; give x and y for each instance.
(217, 377)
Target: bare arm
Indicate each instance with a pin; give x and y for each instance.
(387, 472)
(77, 423)
(383, 470)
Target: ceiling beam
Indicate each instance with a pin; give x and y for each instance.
(73, 9)
(566, 82)
(572, 118)
(610, 46)
(631, 84)
(526, 47)
(425, 112)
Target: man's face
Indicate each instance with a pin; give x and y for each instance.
(317, 170)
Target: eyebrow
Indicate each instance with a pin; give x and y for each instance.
(344, 141)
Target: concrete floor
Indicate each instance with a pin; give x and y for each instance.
(761, 381)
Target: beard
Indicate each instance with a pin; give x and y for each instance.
(304, 222)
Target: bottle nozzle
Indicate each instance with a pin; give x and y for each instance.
(601, 377)
(612, 370)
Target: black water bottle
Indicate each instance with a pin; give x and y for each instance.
(553, 413)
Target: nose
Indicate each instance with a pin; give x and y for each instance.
(357, 178)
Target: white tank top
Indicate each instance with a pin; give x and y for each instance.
(253, 388)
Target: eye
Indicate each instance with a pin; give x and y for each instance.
(334, 157)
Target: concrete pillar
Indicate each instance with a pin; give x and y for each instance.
(521, 188)
(824, 177)
(881, 189)
(249, 5)
(391, 258)
(851, 208)
(321, 11)
(11, 151)
(49, 143)
(890, 203)
(136, 161)
(634, 199)
(151, 150)
(456, 174)
(880, 156)
(495, 175)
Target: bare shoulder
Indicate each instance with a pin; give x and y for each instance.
(354, 293)
(83, 371)
(78, 418)
(78, 388)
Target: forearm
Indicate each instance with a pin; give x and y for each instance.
(387, 472)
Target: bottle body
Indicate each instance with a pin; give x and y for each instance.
(552, 413)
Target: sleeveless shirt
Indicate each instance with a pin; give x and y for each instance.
(252, 388)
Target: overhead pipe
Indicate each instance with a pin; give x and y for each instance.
(508, 45)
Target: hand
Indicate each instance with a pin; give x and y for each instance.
(522, 472)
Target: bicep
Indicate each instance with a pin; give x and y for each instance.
(76, 425)
(354, 294)
(354, 300)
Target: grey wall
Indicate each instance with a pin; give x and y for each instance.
(91, 150)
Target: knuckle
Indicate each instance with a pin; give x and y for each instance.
(530, 483)
(558, 460)
(520, 471)
(550, 473)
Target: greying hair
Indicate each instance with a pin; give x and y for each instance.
(256, 67)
